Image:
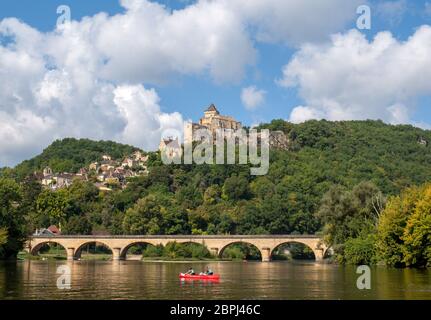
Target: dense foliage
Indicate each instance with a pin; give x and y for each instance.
(174, 250)
(3, 236)
(362, 230)
(333, 179)
(349, 219)
(12, 223)
(404, 230)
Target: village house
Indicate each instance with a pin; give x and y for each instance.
(83, 172)
(63, 180)
(171, 147)
(128, 162)
(139, 157)
(50, 231)
(47, 172)
(94, 166)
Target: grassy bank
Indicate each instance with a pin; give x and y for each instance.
(62, 256)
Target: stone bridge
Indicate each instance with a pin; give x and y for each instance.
(119, 245)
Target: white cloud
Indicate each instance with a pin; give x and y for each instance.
(141, 111)
(86, 78)
(353, 78)
(295, 21)
(252, 97)
(153, 43)
(301, 114)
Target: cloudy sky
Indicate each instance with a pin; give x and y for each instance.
(131, 70)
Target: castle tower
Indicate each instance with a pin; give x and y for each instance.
(213, 120)
(211, 111)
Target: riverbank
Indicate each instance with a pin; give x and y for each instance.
(53, 256)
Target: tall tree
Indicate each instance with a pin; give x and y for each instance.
(404, 230)
(349, 218)
(145, 217)
(11, 218)
(52, 207)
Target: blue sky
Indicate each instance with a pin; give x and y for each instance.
(274, 59)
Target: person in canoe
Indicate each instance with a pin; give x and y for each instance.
(191, 271)
(207, 272)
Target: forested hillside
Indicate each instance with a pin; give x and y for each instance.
(348, 152)
(69, 155)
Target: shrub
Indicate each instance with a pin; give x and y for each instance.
(360, 250)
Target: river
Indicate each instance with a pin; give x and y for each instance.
(36, 279)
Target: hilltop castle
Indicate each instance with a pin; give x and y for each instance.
(212, 120)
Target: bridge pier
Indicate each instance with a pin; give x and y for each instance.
(266, 254)
(70, 254)
(214, 251)
(318, 254)
(116, 254)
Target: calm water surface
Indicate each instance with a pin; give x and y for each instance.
(32, 279)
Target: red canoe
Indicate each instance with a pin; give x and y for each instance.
(200, 276)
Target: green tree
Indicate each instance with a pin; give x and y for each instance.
(391, 225)
(347, 216)
(145, 217)
(360, 250)
(52, 207)
(3, 236)
(212, 195)
(77, 225)
(236, 188)
(417, 233)
(11, 218)
(404, 229)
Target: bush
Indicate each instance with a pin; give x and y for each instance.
(153, 251)
(360, 251)
(234, 253)
(241, 251)
(174, 250)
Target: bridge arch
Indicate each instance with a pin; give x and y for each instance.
(78, 250)
(250, 243)
(123, 252)
(316, 245)
(293, 242)
(34, 251)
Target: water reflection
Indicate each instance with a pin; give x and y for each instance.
(33, 279)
